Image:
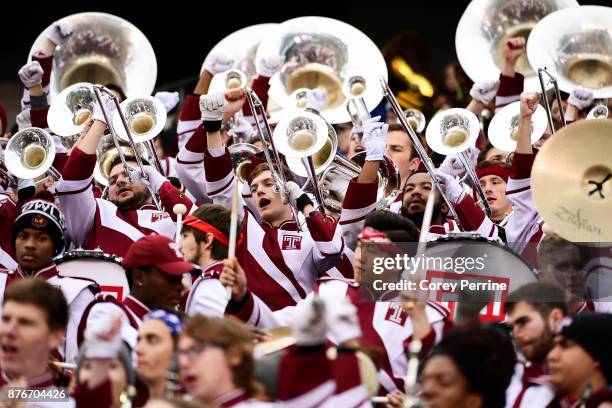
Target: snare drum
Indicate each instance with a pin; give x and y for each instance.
(104, 269)
(480, 267)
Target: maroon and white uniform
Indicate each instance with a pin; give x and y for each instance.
(207, 295)
(97, 223)
(8, 214)
(282, 263)
(78, 293)
(509, 91)
(383, 324)
(189, 165)
(529, 387)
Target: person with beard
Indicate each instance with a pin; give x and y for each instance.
(37, 237)
(533, 312)
(283, 262)
(204, 242)
(415, 195)
(113, 225)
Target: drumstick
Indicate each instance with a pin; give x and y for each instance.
(231, 250)
(179, 209)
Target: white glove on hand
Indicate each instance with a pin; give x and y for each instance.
(154, 178)
(31, 74)
(292, 193)
(581, 98)
(451, 187)
(109, 106)
(484, 91)
(342, 321)
(269, 65)
(453, 166)
(59, 32)
(336, 186)
(212, 106)
(374, 138)
(103, 339)
(309, 322)
(217, 62)
(315, 99)
(168, 99)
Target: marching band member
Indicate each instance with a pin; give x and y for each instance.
(154, 269)
(533, 327)
(114, 224)
(283, 261)
(387, 325)
(204, 242)
(510, 82)
(38, 236)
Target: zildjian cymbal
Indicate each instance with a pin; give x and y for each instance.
(572, 181)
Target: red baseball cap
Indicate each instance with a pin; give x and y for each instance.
(158, 251)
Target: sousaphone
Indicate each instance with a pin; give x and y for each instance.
(487, 24)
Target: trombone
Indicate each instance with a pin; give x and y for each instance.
(98, 90)
(416, 143)
(258, 109)
(552, 80)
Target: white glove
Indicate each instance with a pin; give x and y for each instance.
(269, 65)
(309, 322)
(581, 98)
(212, 106)
(451, 187)
(31, 74)
(374, 138)
(342, 321)
(292, 193)
(59, 31)
(97, 342)
(23, 119)
(154, 178)
(217, 62)
(109, 106)
(337, 186)
(454, 167)
(484, 91)
(168, 99)
(315, 99)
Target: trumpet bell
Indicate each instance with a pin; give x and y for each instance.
(103, 49)
(29, 153)
(242, 155)
(416, 119)
(575, 45)
(71, 109)
(300, 135)
(145, 116)
(322, 53)
(485, 26)
(107, 153)
(503, 126)
(452, 131)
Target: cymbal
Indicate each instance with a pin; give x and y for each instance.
(571, 181)
(279, 338)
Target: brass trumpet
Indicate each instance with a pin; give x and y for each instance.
(30, 153)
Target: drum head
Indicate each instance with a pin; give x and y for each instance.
(484, 272)
(104, 269)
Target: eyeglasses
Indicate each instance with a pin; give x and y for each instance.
(194, 351)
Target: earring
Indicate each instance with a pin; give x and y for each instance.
(139, 284)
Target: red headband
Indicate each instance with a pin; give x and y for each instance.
(493, 169)
(203, 226)
(373, 235)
